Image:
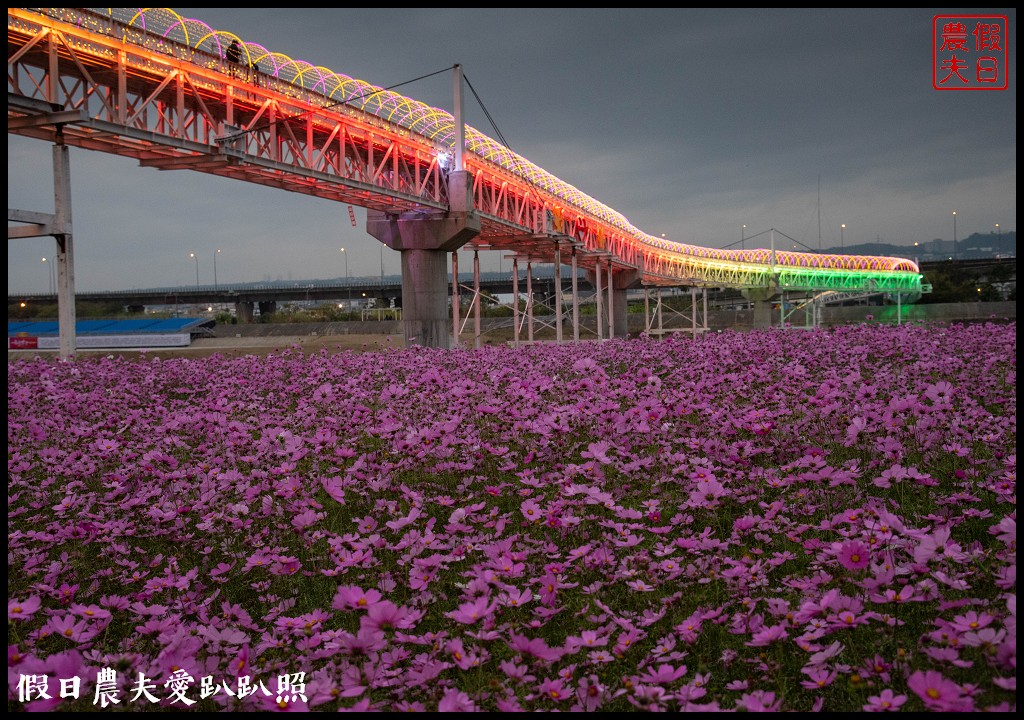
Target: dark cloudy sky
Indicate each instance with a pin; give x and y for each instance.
(690, 123)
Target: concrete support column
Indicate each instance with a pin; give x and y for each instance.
(762, 300)
(661, 317)
(762, 313)
(529, 302)
(647, 310)
(268, 307)
(611, 303)
(66, 317)
(425, 297)
(515, 302)
(57, 225)
(244, 312)
(456, 309)
(705, 323)
(618, 285)
(476, 298)
(424, 242)
(693, 312)
(558, 292)
(575, 299)
(615, 286)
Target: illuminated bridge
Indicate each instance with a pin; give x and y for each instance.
(157, 87)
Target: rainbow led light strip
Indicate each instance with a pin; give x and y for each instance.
(842, 271)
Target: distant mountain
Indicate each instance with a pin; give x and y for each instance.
(976, 245)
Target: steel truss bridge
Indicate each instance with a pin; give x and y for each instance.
(152, 85)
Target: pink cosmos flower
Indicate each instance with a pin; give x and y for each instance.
(456, 701)
(854, 555)
(885, 701)
(259, 559)
(90, 612)
(22, 609)
(421, 577)
(534, 647)
(352, 597)
(554, 689)
(66, 593)
(285, 565)
(663, 674)
(591, 694)
(516, 672)
(972, 620)
(473, 611)
(941, 393)
(307, 518)
(598, 451)
(904, 594)
(986, 637)
(937, 692)
(71, 628)
(515, 597)
(385, 615)
(367, 640)
(218, 574)
(706, 493)
(822, 656)
(587, 639)
(463, 658)
(531, 510)
(759, 701)
(1005, 530)
(767, 635)
(818, 677)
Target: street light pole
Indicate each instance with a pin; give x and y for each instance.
(215, 270)
(196, 258)
(50, 273)
(842, 231)
(743, 237)
(348, 307)
(955, 253)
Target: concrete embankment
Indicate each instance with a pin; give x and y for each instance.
(737, 319)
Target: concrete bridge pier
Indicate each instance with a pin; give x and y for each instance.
(244, 312)
(620, 282)
(424, 241)
(762, 299)
(613, 284)
(268, 307)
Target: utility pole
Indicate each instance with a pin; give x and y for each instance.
(819, 212)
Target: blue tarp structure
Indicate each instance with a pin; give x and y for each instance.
(148, 326)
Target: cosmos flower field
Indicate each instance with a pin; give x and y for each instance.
(761, 521)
